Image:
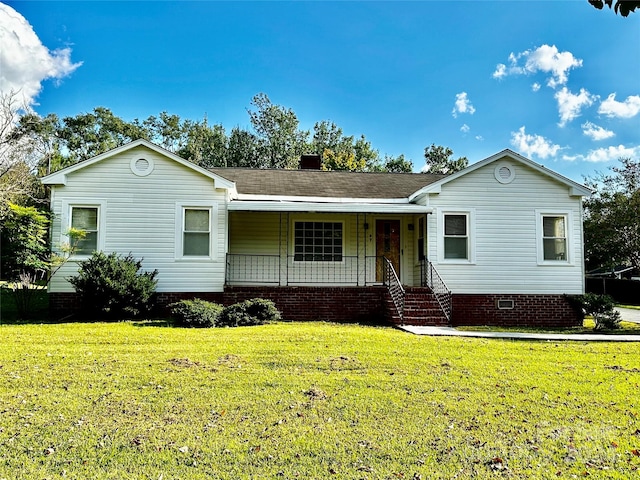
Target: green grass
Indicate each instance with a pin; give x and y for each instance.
(633, 307)
(626, 328)
(310, 400)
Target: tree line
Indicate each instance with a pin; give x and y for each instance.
(32, 145)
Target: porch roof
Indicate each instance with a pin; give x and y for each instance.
(326, 207)
(332, 184)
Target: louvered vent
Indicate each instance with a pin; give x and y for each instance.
(504, 173)
(142, 164)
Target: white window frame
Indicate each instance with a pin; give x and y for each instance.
(567, 215)
(316, 220)
(65, 223)
(212, 208)
(470, 214)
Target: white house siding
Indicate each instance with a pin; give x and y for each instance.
(505, 232)
(140, 218)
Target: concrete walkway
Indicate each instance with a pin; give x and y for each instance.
(627, 314)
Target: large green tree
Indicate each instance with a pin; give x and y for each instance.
(206, 145)
(439, 159)
(242, 149)
(612, 217)
(280, 141)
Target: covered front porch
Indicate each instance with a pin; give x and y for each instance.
(329, 250)
(312, 248)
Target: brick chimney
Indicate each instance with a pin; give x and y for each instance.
(310, 162)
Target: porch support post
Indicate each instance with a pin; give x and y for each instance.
(362, 250)
(283, 248)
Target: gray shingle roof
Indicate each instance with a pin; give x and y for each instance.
(317, 183)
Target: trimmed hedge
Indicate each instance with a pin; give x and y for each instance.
(256, 311)
(196, 313)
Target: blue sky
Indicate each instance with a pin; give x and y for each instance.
(557, 81)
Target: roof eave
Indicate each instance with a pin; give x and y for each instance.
(325, 207)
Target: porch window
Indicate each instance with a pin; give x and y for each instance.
(421, 238)
(456, 237)
(318, 242)
(197, 232)
(86, 218)
(554, 238)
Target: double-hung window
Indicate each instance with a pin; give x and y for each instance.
(318, 241)
(456, 236)
(196, 232)
(554, 238)
(86, 218)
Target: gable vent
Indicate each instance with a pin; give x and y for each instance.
(141, 166)
(505, 173)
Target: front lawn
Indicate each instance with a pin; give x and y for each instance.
(311, 400)
(625, 328)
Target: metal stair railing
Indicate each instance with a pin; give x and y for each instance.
(394, 287)
(432, 279)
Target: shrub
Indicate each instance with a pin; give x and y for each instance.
(196, 313)
(113, 286)
(256, 311)
(601, 307)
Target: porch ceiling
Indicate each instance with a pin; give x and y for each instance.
(275, 206)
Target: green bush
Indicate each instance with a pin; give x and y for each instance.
(196, 313)
(256, 311)
(113, 285)
(601, 307)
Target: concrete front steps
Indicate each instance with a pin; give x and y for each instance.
(421, 308)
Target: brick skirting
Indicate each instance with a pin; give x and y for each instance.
(367, 305)
(528, 310)
(330, 304)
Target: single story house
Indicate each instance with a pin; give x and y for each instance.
(497, 243)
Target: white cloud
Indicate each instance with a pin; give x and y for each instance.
(480, 138)
(627, 109)
(535, 87)
(462, 105)
(501, 71)
(607, 154)
(531, 145)
(465, 128)
(26, 63)
(595, 132)
(545, 59)
(570, 105)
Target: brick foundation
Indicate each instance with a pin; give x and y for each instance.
(330, 304)
(367, 305)
(528, 310)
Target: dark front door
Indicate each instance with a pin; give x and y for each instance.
(387, 245)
